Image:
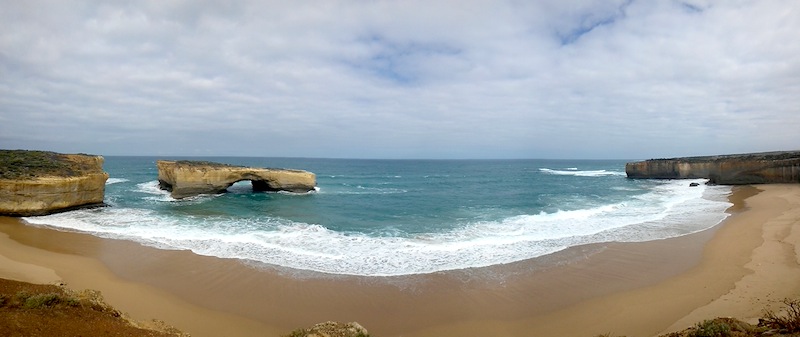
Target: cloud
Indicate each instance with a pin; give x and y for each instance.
(441, 79)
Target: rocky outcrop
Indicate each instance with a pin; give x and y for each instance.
(39, 183)
(332, 329)
(739, 169)
(189, 178)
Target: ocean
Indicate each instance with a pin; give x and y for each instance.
(399, 217)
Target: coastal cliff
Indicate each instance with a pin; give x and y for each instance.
(39, 182)
(188, 178)
(738, 169)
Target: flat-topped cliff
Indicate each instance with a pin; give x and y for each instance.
(40, 182)
(737, 169)
(186, 178)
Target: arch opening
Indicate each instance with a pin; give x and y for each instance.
(249, 186)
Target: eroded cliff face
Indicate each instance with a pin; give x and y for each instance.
(741, 169)
(80, 184)
(188, 178)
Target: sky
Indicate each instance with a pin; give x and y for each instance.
(549, 79)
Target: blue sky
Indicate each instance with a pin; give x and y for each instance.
(401, 79)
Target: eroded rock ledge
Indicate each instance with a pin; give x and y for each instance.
(185, 178)
(738, 169)
(40, 182)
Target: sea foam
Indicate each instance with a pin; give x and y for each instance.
(115, 180)
(573, 171)
(669, 209)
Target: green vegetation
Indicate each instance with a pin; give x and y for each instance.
(50, 310)
(26, 300)
(711, 328)
(193, 163)
(48, 300)
(22, 164)
(767, 156)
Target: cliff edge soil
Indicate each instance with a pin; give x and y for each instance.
(40, 182)
(49, 310)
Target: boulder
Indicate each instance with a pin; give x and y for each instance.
(39, 182)
(332, 329)
(187, 178)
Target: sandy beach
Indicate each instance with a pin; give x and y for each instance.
(746, 264)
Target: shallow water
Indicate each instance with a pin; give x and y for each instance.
(400, 217)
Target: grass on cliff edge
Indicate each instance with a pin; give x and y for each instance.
(25, 165)
(48, 310)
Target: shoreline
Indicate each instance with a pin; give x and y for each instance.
(634, 289)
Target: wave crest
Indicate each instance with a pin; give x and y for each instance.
(115, 180)
(572, 171)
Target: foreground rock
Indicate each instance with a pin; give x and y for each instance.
(39, 182)
(740, 169)
(186, 178)
(332, 329)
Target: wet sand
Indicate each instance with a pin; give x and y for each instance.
(634, 289)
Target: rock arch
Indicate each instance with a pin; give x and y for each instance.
(188, 178)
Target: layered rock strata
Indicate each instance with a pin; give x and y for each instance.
(40, 183)
(739, 169)
(189, 178)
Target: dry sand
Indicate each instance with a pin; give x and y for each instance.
(634, 289)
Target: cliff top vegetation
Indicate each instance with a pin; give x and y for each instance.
(775, 155)
(24, 165)
(194, 163)
(210, 164)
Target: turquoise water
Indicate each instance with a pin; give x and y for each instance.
(400, 217)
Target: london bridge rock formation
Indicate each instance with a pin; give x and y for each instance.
(39, 182)
(189, 178)
(739, 169)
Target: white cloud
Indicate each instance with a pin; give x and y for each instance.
(598, 79)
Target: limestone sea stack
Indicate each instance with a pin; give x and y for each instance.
(736, 169)
(186, 178)
(41, 182)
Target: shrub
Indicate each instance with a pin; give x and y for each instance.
(42, 300)
(26, 300)
(711, 328)
(298, 333)
(22, 296)
(73, 302)
(790, 323)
